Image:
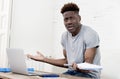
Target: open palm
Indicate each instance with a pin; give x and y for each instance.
(38, 57)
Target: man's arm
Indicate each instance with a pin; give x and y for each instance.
(90, 54)
(56, 62)
(88, 57)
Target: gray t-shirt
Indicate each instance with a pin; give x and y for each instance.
(75, 46)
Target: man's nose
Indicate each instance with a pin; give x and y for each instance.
(69, 21)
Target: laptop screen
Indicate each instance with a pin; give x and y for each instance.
(16, 60)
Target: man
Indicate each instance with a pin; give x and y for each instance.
(80, 44)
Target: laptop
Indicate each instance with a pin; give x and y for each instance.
(16, 60)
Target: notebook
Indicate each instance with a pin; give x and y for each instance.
(16, 60)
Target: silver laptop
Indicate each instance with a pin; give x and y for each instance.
(16, 60)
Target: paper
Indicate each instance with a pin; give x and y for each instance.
(88, 66)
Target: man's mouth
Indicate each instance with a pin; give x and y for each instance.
(70, 28)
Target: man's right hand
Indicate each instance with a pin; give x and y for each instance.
(38, 57)
(75, 67)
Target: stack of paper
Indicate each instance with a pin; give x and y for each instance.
(88, 66)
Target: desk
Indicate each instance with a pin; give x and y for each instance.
(18, 76)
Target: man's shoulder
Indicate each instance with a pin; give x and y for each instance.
(65, 33)
(85, 27)
(88, 30)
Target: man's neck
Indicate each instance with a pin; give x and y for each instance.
(77, 31)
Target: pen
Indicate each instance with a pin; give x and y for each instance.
(50, 75)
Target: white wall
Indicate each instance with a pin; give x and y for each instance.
(38, 25)
(32, 26)
(32, 22)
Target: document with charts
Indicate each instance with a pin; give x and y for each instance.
(88, 66)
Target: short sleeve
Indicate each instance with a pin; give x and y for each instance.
(63, 40)
(91, 39)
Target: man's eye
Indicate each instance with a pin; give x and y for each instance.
(65, 19)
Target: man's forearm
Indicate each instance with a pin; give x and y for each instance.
(56, 62)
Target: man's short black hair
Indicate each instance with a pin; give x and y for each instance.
(70, 7)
